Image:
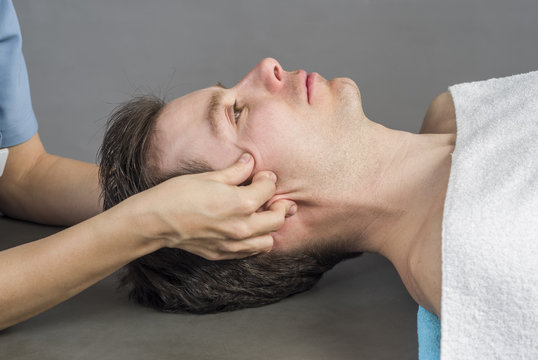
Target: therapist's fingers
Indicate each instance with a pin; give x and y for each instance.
(235, 174)
(253, 196)
(248, 247)
(221, 249)
(272, 219)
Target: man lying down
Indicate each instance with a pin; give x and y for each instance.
(359, 186)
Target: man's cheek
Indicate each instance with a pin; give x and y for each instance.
(269, 142)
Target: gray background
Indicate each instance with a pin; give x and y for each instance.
(85, 57)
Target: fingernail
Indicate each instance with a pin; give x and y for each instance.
(292, 210)
(271, 175)
(245, 158)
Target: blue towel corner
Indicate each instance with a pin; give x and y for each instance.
(429, 335)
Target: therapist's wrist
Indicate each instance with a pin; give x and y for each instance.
(131, 218)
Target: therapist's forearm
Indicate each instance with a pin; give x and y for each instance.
(40, 187)
(62, 191)
(38, 275)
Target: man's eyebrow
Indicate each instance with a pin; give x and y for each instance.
(213, 108)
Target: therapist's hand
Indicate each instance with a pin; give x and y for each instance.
(209, 215)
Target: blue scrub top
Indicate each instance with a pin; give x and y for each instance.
(17, 119)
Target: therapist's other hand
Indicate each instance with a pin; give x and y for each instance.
(209, 215)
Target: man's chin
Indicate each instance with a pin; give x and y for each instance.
(344, 81)
(349, 96)
(345, 89)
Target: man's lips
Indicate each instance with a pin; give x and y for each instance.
(303, 78)
(308, 80)
(310, 85)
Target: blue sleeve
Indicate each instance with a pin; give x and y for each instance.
(17, 119)
(429, 335)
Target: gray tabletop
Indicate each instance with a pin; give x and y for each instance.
(359, 310)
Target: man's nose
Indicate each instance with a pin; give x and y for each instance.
(268, 74)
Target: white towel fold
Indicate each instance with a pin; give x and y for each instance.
(489, 307)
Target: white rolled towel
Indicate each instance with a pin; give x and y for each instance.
(489, 306)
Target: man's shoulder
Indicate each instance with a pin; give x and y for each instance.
(440, 117)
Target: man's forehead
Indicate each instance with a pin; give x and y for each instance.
(181, 113)
(181, 119)
(194, 101)
(202, 105)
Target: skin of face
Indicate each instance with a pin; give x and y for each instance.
(300, 133)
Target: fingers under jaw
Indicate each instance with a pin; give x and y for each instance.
(276, 198)
(271, 220)
(288, 207)
(259, 191)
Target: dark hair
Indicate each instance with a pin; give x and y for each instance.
(174, 280)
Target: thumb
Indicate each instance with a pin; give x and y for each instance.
(236, 173)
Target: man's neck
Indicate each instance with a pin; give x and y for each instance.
(393, 203)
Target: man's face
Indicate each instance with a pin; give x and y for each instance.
(292, 123)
